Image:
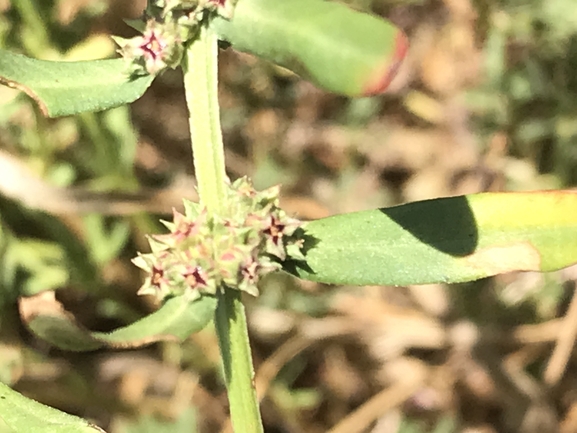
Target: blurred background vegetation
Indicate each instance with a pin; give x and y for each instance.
(487, 101)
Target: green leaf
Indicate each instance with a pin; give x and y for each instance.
(177, 319)
(24, 415)
(337, 48)
(446, 240)
(64, 88)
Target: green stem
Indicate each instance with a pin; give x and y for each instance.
(200, 80)
(200, 84)
(230, 324)
(32, 17)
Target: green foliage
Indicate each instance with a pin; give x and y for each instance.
(340, 50)
(25, 415)
(530, 87)
(176, 319)
(461, 239)
(64, 88)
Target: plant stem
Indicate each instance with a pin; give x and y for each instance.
(200, 84)
(32, 17)
(200, 80)
(230, 324)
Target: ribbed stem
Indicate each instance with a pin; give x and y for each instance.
(201, 90)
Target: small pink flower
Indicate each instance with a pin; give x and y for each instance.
(152, 46)
(195, 276)
(157, 278)
(159, 47)
(224, 8)
(249, 272)
(275, 230)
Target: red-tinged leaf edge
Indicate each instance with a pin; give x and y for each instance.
(382, 80)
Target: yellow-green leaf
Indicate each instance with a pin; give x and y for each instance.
(446, 240)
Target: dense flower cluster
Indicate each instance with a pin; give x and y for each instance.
(159, 47)
(224, 8)
(169, 24)
(203, 253)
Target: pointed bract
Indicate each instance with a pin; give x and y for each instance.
(202, 252)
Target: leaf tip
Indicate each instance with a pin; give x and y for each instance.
(385, 74)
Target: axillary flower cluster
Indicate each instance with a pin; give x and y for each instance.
(204, 253)
(166, 27)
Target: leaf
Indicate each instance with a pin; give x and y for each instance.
(337, 48)
(65, 88)
(447, 240)
(178, 318)
(24, 415)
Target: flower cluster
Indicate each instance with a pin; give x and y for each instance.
(203, 253)
(159, 47)
(224, 8)
(169, 24)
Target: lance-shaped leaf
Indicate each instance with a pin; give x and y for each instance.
(24, 415)
(446, 240)
(64, 88)
(178, 318)
(337, 48)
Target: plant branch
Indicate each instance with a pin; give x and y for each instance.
(200, 81)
